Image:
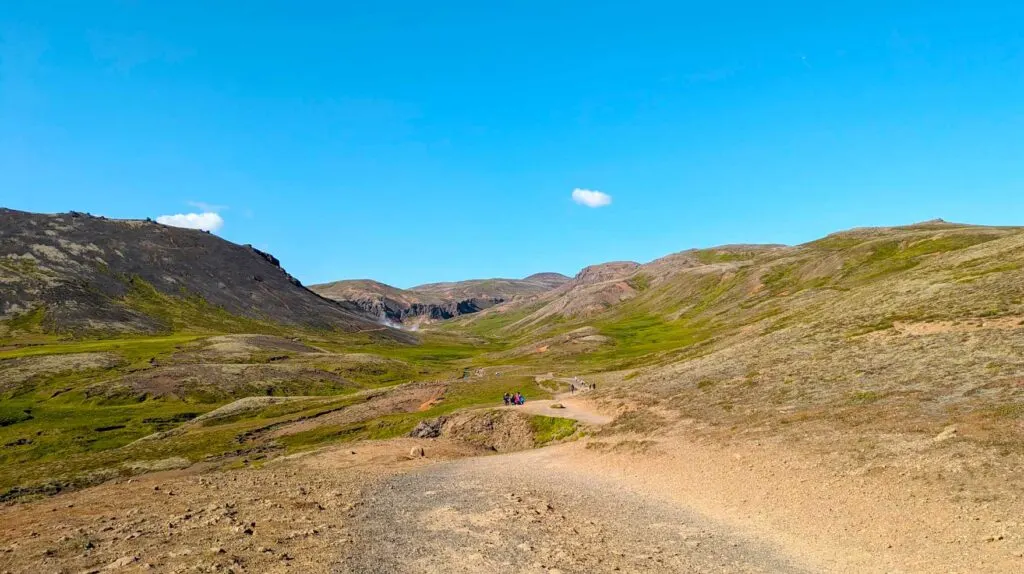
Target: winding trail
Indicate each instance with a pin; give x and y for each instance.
(536, 511)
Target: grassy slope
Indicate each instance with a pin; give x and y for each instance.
(871, 332)
(673, 315)
(54, 434)
(51, 422)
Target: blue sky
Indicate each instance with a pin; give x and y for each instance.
(414, 142)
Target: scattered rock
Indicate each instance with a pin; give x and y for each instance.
(121, 563)
(417, 452)
(946, 434)
(557, 406)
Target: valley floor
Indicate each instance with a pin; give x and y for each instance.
(674, 503)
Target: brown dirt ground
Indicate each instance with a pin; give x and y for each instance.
(603, 504)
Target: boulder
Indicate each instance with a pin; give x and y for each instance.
(946, 434)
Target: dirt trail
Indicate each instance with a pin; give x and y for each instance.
(529, 512)
(578, 409)
(664, 504)
(671, 505)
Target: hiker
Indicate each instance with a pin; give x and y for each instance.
(572, 389)
(507, 398)
(522, 399)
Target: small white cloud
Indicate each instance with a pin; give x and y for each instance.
(591, 198)
(203, 206)
(207, 221)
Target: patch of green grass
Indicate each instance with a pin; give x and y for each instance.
(133, 349)
(642, 335)
(190, 312)
(893, 256)
(971, 273)
(780, 278)
(25, 266)
(73, 445)
(946, 243)
(709, 256)
(1011, 410)
(641, 282)
(550, 429)
(379, 428)
(490, 326)
(837, 242)
(434, 353)
(28, 322)
(373, 373)
(61, 432)
(865, 397)
(13, 414)
(470, 393)
(880, 325)
(715, 292)
(786, 278)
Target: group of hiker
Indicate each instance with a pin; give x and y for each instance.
(585, 386)
(514, 399)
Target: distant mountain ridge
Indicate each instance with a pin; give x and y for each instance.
(436, 301)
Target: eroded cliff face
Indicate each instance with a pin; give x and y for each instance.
(401, 313)
(436, 301)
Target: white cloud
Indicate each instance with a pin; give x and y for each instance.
(591, 198)
(207, 221)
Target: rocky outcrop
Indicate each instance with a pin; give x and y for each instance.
(498, 430)
(394, 311)
(436, 301)
(605, 272)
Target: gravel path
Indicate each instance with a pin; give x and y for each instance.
(526, 512)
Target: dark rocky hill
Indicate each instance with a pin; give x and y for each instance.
(74, 272)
